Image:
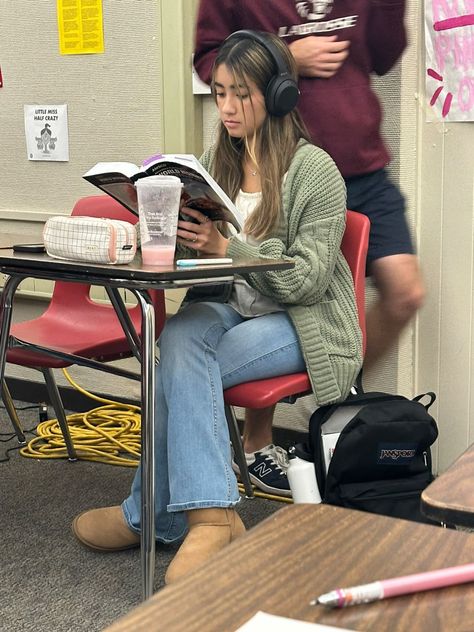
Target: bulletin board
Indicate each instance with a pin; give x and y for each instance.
(113, 98)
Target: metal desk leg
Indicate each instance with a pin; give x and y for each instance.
(125, 320)
(148, 442)
(6, 304)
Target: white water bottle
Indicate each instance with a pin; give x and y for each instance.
(302, 476)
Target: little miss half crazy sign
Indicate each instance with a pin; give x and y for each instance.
(449, 35)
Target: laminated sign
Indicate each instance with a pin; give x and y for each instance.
(46, 132)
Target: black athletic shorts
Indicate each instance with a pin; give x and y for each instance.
(376, 196)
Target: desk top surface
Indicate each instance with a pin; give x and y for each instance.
(303, 551)
(450, 497)
(43, 266)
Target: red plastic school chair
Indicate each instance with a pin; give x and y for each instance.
(264, 393)
(75, 324)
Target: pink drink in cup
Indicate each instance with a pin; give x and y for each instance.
(158, 209)
(157, 255)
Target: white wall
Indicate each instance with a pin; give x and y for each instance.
(114, 100)
(446, 227)
(437, 169)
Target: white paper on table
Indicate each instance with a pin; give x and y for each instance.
(263, 621)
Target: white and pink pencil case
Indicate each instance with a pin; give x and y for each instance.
(94, 239)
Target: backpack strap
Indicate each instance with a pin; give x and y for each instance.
(358, 388)
(429, 394)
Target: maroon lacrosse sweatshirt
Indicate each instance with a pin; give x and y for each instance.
(342, 113)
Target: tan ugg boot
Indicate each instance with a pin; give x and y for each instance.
(210, 530)
(105, 530)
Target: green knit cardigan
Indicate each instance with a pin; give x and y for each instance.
(318, 292)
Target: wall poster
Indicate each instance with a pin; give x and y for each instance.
(46, 132)
(80, 26)
(449, 36)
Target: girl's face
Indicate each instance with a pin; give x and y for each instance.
(241, 108)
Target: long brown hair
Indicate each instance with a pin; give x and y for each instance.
(271, 149)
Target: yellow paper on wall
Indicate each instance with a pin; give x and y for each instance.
(80, 26)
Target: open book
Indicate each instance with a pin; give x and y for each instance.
(200, 190)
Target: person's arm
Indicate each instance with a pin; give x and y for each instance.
(386, 34)
(215, 22)
(318, 194)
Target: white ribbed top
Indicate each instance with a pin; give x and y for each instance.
(245, 299)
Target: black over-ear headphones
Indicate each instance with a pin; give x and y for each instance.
(281, 94)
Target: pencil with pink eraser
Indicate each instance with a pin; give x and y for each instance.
(383, 589)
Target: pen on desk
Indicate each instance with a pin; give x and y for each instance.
(342, 597)
(202, 262)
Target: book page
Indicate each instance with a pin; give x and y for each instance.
(127, 168)
(200, 191)
(118, 186)
(194, 162)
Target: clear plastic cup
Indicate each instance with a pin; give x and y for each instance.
(158, 210)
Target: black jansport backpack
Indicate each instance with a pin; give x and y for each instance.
(372, 452)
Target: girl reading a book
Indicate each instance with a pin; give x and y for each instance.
(263, 325)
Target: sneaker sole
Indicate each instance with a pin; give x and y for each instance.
(269, 490)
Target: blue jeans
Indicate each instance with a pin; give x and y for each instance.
(205, 348)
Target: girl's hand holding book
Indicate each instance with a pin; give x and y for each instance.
(200, 234)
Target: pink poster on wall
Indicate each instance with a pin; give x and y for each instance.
(449, 36)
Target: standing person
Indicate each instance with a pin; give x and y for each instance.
(336, 44)
(258, 327)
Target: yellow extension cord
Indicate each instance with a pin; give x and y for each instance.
(107, 434)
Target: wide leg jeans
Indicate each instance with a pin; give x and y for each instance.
(205, 348)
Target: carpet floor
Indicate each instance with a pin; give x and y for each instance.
(48, 581)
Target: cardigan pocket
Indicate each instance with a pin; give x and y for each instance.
(340, 333)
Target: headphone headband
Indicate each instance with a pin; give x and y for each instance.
(281, 94)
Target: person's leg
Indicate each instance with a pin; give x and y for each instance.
(270, 344)
(266, 462)
(192, 443)
(390, 261)
(257, 431)
(189, 428)
(400, 294)
(193, 465)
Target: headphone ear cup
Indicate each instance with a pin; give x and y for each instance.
(281, 95)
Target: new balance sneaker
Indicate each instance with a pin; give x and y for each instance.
(267, 470)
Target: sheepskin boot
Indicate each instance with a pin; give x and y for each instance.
(210, 530)
(105, 530)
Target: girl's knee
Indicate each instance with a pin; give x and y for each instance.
(190, 324)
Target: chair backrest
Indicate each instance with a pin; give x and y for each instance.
(354, 248)
(78, 293)
(103, 206)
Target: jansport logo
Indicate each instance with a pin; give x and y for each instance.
(395, 453)
(314, 10)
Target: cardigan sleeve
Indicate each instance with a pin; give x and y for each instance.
(314, 201)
